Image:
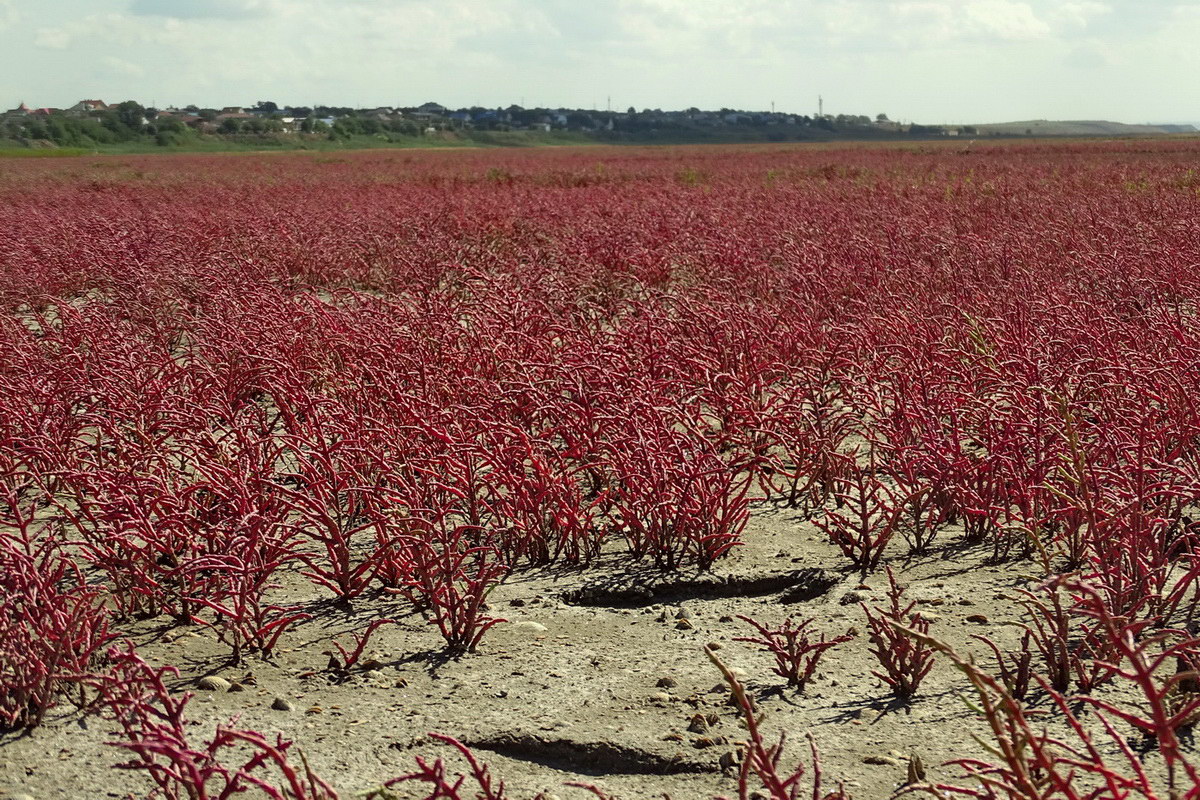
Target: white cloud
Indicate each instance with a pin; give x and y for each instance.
(52, 38)
(1092, 57)
(1077, 14)
(9, 16)
(202, 9)
(951, 23)
(121, 67)
(1005, 19)
(110, 31)
(920, 59)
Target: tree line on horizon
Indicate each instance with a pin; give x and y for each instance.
(269, 122)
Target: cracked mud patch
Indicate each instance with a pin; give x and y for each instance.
(795, 586)
(595, 758)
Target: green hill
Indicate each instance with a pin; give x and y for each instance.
(1042, 127)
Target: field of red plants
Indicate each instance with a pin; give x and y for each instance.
(767, 472)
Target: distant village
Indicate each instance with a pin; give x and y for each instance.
(95, 123)
(98, 122)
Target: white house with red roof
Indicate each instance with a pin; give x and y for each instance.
(88, 107)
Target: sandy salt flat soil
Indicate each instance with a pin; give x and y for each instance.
(598, 685)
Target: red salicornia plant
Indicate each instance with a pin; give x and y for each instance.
(478, 784)
(760, 762)
(1026, 760)
(796, 652)
(869, 518)
(155, 731)
(905, 660)
(53, 627)
(449, 578)
(675, 500)
(423, 377)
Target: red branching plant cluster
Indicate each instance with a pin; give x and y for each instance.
(450, 578)
(904, 659)
(346, 660)
(440, 782)
(1091, 758)
(761, 762)
(796, 652)
(868, 517)
(53, 625)
(420, 378)
(155, 732)
(52, 628)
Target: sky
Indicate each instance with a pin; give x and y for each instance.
(931, 61)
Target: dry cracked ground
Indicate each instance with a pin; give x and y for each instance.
(597, 676)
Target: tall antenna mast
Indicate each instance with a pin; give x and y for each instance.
(820, 106)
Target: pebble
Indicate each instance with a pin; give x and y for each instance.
(661, 697)
(528, 626)
(373, 674)
(214, 683)
(667, 682)
(978, 619)
(683, 613)
(281, 704)
(684, 625)
(849, 598)
(881, 761)
(698, 724)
